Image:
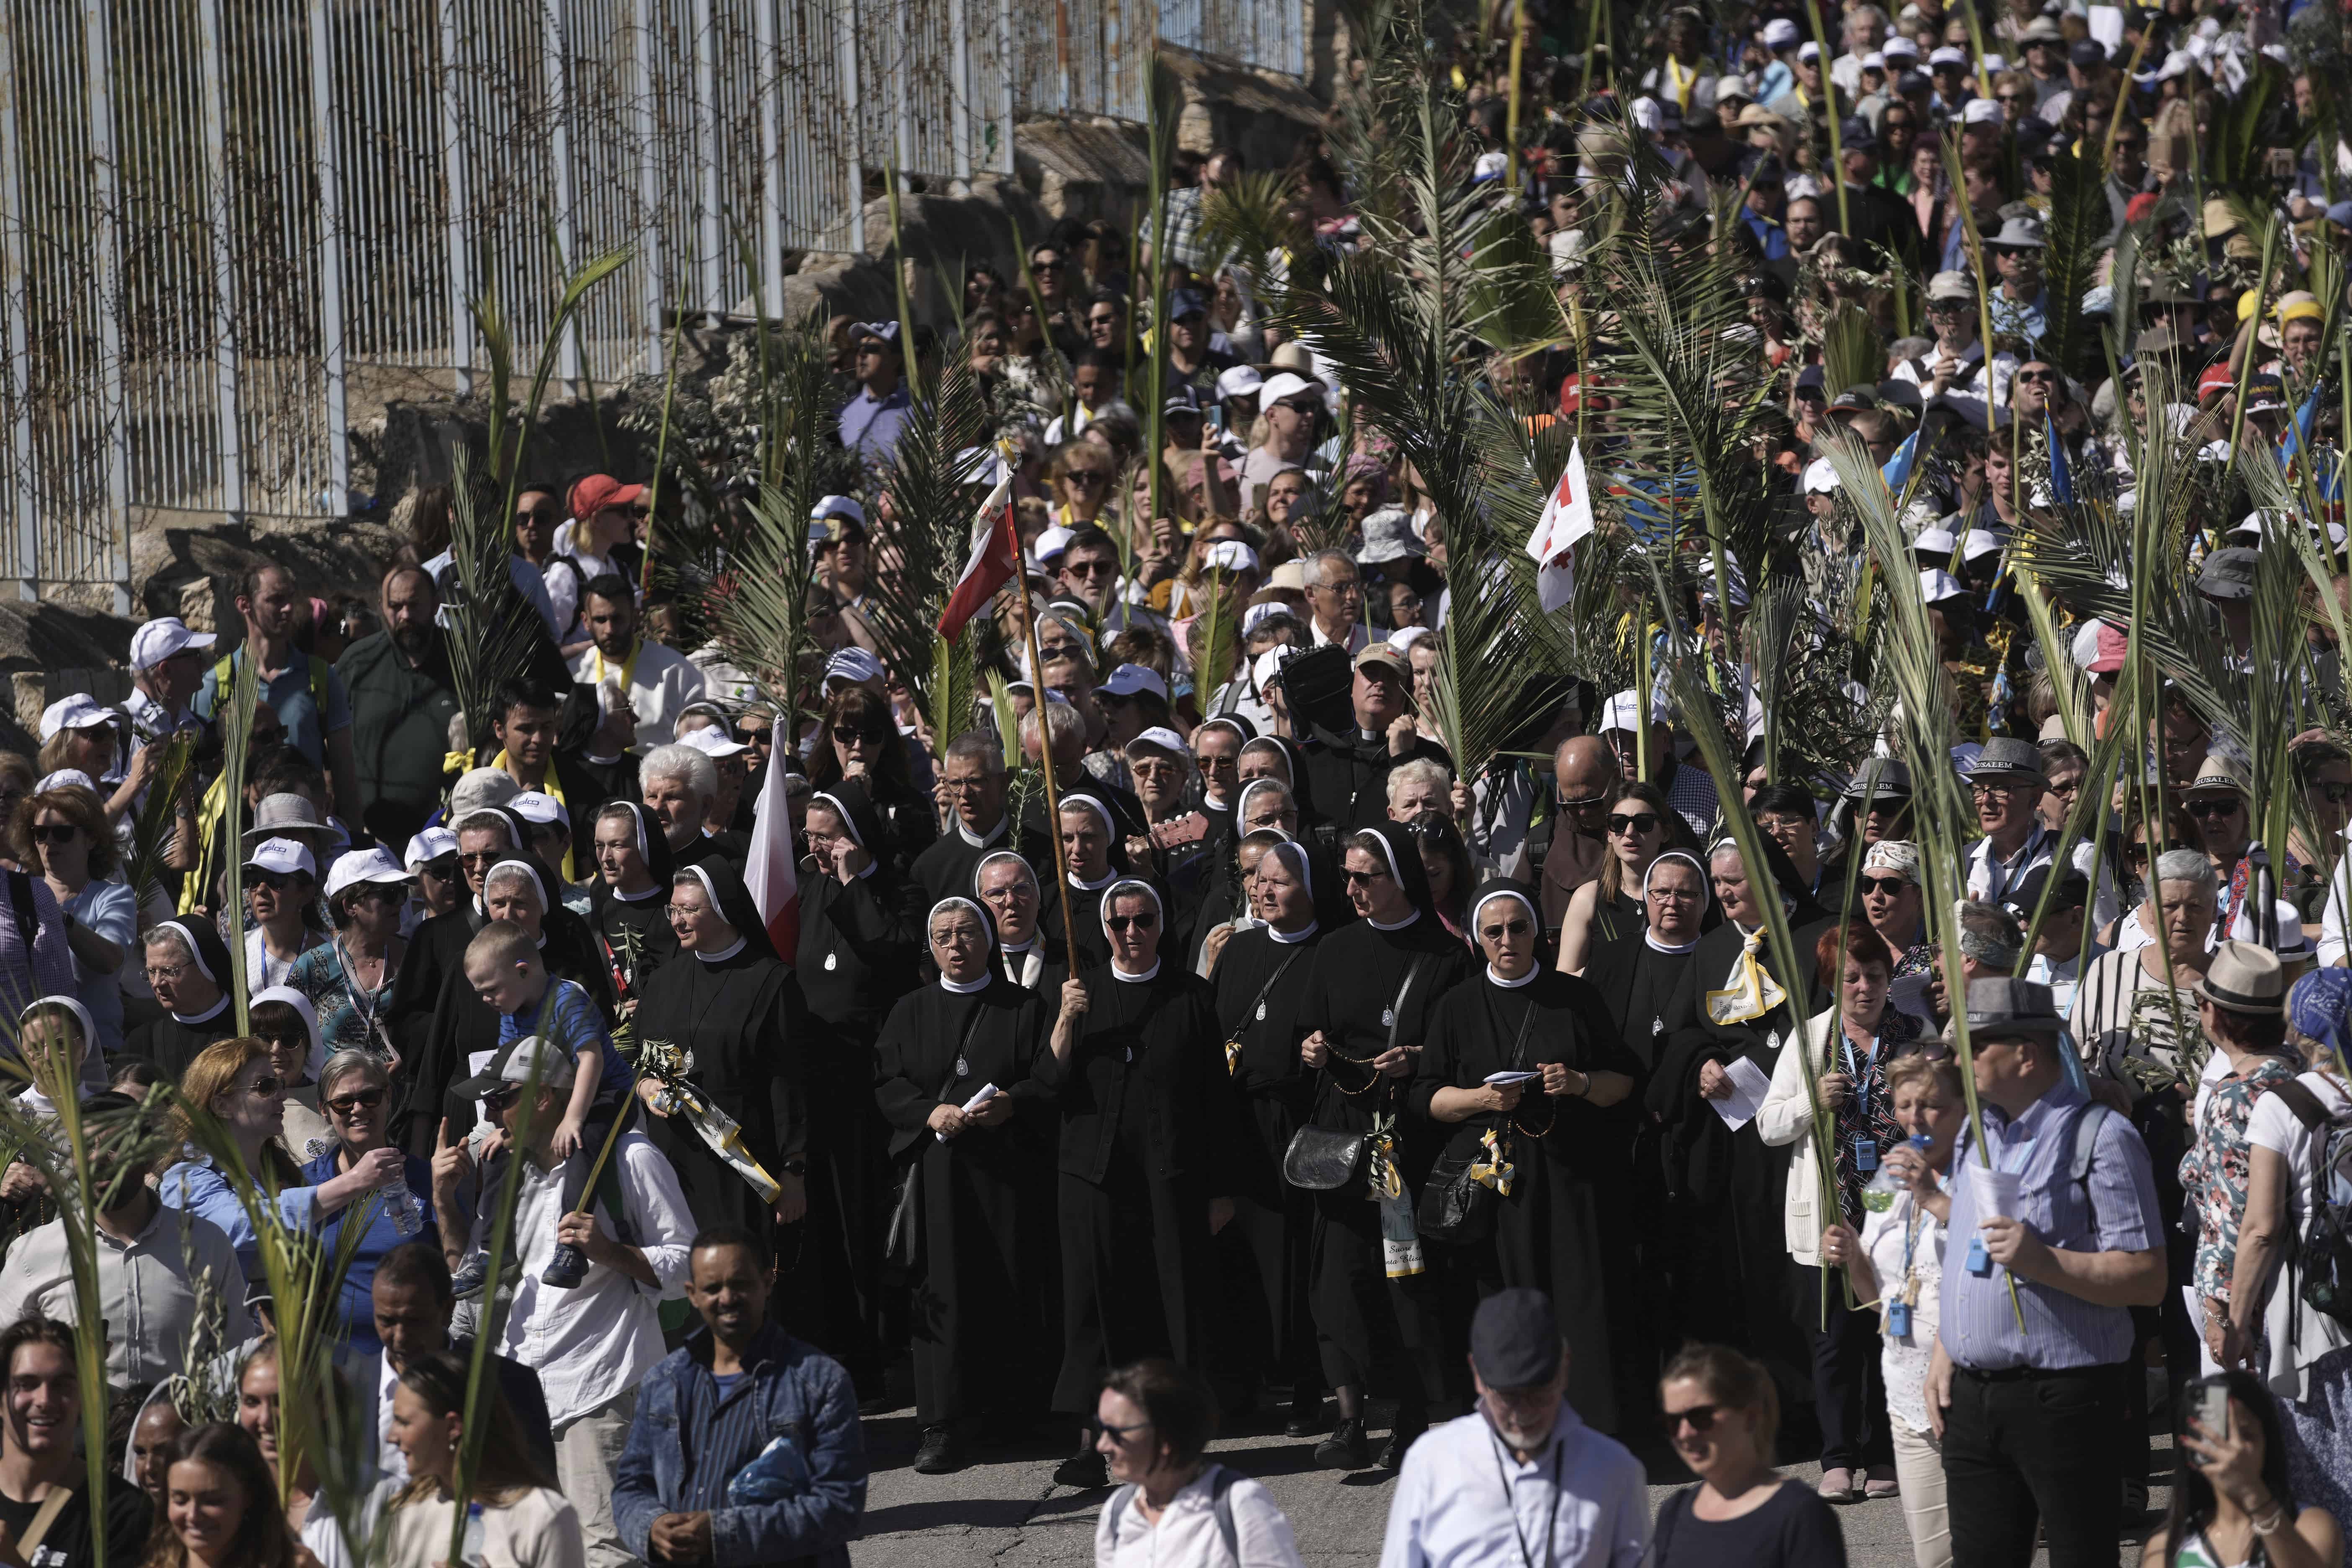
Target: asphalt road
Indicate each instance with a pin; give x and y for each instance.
(1004, 1510)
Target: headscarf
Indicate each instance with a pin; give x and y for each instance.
(987, 932)
(316, 1062)
(1899, 855)
(1403, 856)
(1290, 769)
(2318, 1008)
(1017, 857)
(529, 868)
(653, 847)
(1114, 855)
(1503, 888)
(1124, 886)
(1363, 466)
(205, 949)
(723, 885)
(82, 1021)
(1706, 897)
(1294, 854)
(849, 800)
(1241, 800)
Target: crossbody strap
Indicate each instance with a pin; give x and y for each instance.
(1264, 991)
(1396, 1008)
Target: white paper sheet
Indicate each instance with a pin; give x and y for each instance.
(1504, 1078)
(2107, 26)
(988, 1091)
(1748, 1086)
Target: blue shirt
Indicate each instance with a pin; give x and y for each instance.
(1769, 234)
(199, 1187)
(871, 426)
(289, 693)
(2114, 1210)
(573, 1023)
(2028, 320)
(358, 1304)
(108, 910)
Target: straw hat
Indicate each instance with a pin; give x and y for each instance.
(2244, 978)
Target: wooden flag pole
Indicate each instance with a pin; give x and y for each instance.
(1046, 758)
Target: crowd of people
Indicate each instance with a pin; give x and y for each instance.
(1465, 1114)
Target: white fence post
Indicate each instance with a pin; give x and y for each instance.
(647, 125)
(24, 483)
(772, 160)
(219, 218)
(98, 47)
(460, 261)
(845, 26)
(556, 71)
(337, 498)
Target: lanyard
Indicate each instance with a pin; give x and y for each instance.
(1911, 1229)
(1861, 1077)
(628, 670)
(1511, 1506)
(364, 1001)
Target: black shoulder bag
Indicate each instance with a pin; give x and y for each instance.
(1324, 1159)
(901, 1253)
(1455, 1206)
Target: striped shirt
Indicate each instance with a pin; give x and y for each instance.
(2113, 1210)
(721, 1432)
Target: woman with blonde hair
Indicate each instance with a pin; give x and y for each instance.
(1079, 481)
(220, 1506)
(524, 1520)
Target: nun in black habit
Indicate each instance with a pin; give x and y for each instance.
(1723, 1241)
(858, 952)
(982, 1249)
(173, 1039)
(1006, 883)
(1148, 1136)
(1366, 1010)
(729, 1001)
(1549, 1145)
(1097, 857)
(1260, 977)
(629, 898)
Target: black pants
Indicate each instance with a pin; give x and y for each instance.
(2022, 1447)
(1849, 1390)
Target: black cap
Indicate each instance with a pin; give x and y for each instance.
(1515, 1340)
(2073, 892)
(1856, 136)
(2087, 52)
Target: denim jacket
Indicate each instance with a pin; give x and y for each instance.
(674, 1462)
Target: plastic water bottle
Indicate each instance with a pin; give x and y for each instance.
(1885, 1184)
(477, 1543)
(400, 1207)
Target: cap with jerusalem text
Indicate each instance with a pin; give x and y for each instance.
(1514, 1340)
(1129, 679)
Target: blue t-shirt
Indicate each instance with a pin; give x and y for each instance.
(288, 692)
(357, 1306)
(574, 1023)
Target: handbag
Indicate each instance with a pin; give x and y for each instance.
(1456, 1207)
(900, 1252)
(1325, 1159)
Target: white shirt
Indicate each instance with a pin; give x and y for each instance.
(1997, 881)
(1462, 1492)
(1187, 1534)
(1904, 1361)
(2296, 1336)
(592, 1343)
(661, 686)
(146, 1289)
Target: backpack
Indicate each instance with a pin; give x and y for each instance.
(1221, 1503)
(2323, 1255)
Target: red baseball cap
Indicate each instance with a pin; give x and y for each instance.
(2113, 646)
(598, 491)
(2218, 377)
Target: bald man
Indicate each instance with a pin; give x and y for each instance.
(1583, 771)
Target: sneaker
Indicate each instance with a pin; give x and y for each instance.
(566, 1269)
(471, 1277)
(1837, 1484)
(1879, 1481)
(940, 1455)
(1085, 1471)
(1345, 1448)
(1400, 1437)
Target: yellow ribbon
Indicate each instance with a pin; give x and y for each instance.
(628, 670)
(1232, 1057)
(552, 787)
(1679, 82)
(1493, 1168)
(1752, 992)
(457, 762)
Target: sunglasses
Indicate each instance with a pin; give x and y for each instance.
(275, 881)
(487, 857)
(1891, 886)
(1587, 803)
(1044, 267)
(443, 870)
(846, 735)
(2214, 810)
(1699, 1417)
(1355, 877)
(53, 832)
(2037, 377)
(265, 1086)
(1088, 568)
(1508, 927)
(1639, 822)
(363, 1099)
(1138, 922)
(503, 1096)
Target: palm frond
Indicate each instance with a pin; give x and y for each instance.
(2075, 240)
(153, 829)
(921, 544)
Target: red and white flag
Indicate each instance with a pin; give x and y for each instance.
(995, 560)
(769, 872)
(1567, 519)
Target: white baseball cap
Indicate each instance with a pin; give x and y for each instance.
(1809, 50)
(1267, 668)
(1620, 711)
(1403, 639)
(1052, 543)
(158, 640)
(1937, 540)
(284, 857)
(1242, 381)
(80, 711)
(65, 778)
(1820, 477)
(1980, 111)
(430, 844)
(357, 865)
(1948, 55)
(1936, 585)
(1129, 679)
(1257, 613)
(852, 664)
(1899, 48)
(1980, 542)
(1163, 737)
(1228, 555)
(1779, 32)
(538, 806)
(711, 741)
(1282, 386)
(838, 506)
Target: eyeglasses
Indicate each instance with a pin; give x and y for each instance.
(1986, 790)
(1045, 267)
(1102, 320)
(1088, 568)
(1638, 822)
(442, 871)
(1587, 803)
(1144, 921)
(361, 1100)
(166, 973)
(486, 859)
(265, 1086)
(1699, 1417)
(53, 832)
(1508, 927)
(1891, 886)
(2214, 810)
(1097, 1430)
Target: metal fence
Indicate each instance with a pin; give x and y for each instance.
(227, 225)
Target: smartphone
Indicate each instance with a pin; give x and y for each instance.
(1217, 417)
(2213, 1408)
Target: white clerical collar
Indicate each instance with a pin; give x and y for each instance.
(207, 1016)
(981, 840)
(1150, 973)
(1301, 935)
(1105, 880)
(651, 889)
(1399, 926)
(725, 953)
(965, 987)
(1015, 949)
(1527, 979)
(1651, 937)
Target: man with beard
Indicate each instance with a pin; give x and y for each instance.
(401, 698)
(654, 683)
(530, 716)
